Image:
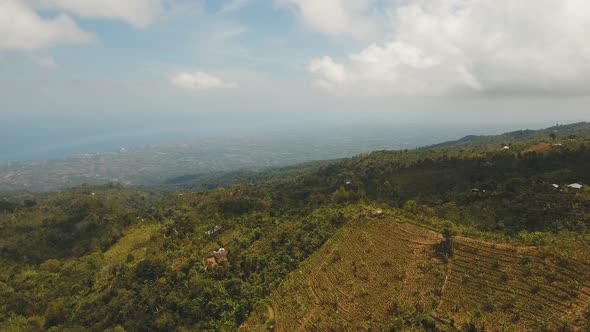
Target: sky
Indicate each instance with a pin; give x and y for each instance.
(88, 69)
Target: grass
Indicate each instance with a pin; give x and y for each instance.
(134, 242)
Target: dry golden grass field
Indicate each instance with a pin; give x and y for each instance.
(516, 288)
(384, 273)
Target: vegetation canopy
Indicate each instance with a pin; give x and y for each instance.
(470, 237)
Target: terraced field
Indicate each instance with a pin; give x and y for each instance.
(518, 288)
(371, 271)
(379, 274)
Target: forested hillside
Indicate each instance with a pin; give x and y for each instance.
(563, 131)
(225, 179)
(457, 225)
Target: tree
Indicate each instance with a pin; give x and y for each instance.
(553, 136)
(445, 248)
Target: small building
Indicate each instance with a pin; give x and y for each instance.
(575, 186)
(376, 214)
(220, 255)
(506, 147)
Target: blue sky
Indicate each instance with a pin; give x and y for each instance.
(224, 65)
(60, 54)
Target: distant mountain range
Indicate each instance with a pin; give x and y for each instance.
(560, 131)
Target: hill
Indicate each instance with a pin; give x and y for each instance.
(516, 138)
(229, 179)
(370, 274)
(561, 131)
(515, 248)
(388, 274)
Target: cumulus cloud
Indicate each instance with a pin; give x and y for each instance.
(336, 17)
(463, 47)
(21, 28)
(330, 73)
(199, 81)
(138, 13)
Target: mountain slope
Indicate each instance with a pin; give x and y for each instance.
(372, 270)
(380, 274)
(562, 131)
(520, 288)
(110, 258)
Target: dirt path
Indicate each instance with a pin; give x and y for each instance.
(442, 291)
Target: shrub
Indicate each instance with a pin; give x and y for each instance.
(56, 313)
(427, 322)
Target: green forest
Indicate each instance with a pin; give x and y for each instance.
(113, 258)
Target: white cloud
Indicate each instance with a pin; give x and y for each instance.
(21, 28)
(355, 18)
(330, 73)
(199, 81)
(138, 13)
(459, 46)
